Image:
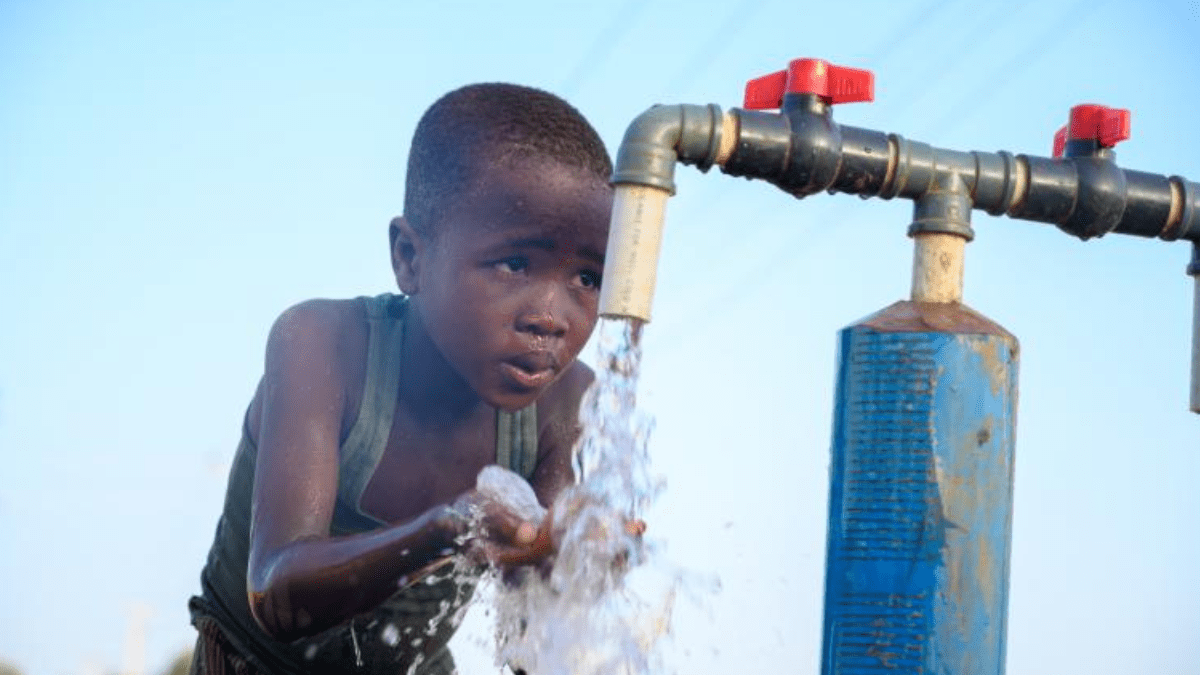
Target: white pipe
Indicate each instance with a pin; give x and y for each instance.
(937, 267)
(631, 261)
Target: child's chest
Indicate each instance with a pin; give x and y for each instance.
(421, 469)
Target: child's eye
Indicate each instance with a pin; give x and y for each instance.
(514, 263)
(589, 279)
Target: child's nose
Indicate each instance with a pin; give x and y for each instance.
(545, 316)
(542, 323)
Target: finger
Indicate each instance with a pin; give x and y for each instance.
(532, 553)
(502, 524)
(526, 534)
(512, 556)
(543, 543)
(502, 555)
(635, 528)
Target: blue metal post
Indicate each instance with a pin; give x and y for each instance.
(921, 498)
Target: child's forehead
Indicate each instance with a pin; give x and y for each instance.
(534, 175)
(534, 194)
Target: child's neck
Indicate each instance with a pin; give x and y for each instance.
(430, 389)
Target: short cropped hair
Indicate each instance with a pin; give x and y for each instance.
(478, 126)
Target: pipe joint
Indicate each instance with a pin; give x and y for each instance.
(997, 177)
(1187, 224)
(700, 135)
(945, 208)
(912, 171)
(664, 135)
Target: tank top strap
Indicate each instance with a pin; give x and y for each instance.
(517, 440)
(368, 437)
(516, 432)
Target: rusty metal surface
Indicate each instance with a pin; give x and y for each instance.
(936, 317)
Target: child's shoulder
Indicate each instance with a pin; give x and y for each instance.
(319, 346)
(324, 327)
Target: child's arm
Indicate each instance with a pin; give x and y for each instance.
(301, 581)
(560, 427)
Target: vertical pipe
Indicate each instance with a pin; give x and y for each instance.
(1194, 270)
(937, 267)
(631, 260)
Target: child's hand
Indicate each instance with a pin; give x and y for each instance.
(533, 546)
(498, 535)
(544, 543)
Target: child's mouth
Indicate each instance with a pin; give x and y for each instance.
(531, 371)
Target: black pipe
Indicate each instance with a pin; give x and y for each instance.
(803, 151)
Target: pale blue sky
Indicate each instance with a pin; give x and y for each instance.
(173, 175)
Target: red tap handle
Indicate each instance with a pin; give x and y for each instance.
(834, 84)
(1089, 122)
(1060, 142)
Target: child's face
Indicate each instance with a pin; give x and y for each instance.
(509, 284)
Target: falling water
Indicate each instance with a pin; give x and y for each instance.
(607, 600)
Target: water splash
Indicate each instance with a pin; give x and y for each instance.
(607, 601)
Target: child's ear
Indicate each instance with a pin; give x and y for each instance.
(406, 254)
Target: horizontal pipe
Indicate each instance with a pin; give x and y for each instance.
(803, 152)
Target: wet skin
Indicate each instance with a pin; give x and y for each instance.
(503, 297)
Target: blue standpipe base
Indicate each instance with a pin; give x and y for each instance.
(920, 509)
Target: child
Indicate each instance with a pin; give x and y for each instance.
(361, 446)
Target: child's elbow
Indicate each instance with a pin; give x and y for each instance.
(277, 617)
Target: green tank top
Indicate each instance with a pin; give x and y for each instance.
(390, 638)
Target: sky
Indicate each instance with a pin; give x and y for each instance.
(174, 175)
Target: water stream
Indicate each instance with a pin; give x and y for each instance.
(606, 602)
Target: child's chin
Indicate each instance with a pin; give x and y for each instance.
(514, 401)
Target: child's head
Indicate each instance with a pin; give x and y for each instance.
(477, 130)
(502, 241)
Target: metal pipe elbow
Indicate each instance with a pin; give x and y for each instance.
(664, 135)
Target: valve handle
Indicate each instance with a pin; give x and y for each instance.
(1090, 122)
(834, 84)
